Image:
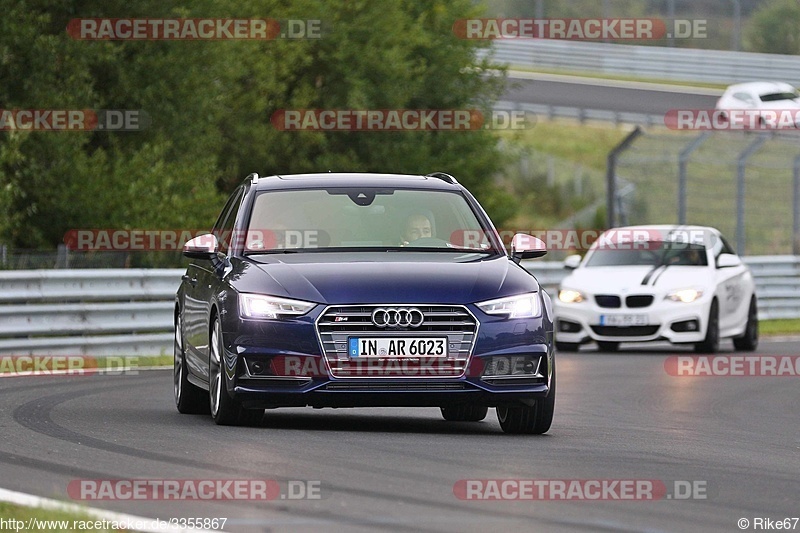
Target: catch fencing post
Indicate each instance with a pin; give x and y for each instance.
(611, 175)
(683, 163)
(796, 207)
(741, 167)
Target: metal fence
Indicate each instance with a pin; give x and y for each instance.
(745, 184)
(665, 63)
(129, 312)
(63, 257)
(87, 312)
(777, 282)
(583, 115)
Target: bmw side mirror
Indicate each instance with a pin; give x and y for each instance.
(728, 261)
(202, 247)
(571, 262)
(525, 246)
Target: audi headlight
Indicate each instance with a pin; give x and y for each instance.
(262, 306)
(685, 295)
(522, 306)
(568, 296)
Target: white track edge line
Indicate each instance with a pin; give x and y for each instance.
(29, 500)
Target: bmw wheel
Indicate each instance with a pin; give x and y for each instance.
(749, 341)
(711, 343)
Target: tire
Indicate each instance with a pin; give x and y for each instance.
(567, 346)
(189, 398)
(607, 346)
(521, 419)
(749, 341)
(464, 413)
(711, 343)
(224, 410)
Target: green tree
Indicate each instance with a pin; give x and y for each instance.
(210, 105)
(774, 28)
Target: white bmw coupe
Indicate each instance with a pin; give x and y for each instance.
(682, 284)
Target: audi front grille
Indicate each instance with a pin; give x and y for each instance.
(340, 322)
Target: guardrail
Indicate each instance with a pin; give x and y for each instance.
(656, 62)
(604, 115)
(777, 280)
(119, 312)
(87, 312)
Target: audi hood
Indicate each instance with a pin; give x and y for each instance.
(408, 277)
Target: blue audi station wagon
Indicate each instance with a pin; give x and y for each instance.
(362, 290)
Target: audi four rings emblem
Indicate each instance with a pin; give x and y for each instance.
(397, 317)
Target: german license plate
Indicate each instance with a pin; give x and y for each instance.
(397, 346)
(623, 320)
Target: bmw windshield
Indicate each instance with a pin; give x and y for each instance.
(651, 253)
(362, 219)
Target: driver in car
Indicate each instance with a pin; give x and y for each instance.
(418, 226)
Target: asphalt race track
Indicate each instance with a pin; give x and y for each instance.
(629, 97)
(618, 417)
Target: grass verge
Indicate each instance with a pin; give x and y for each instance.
(39, 519)
(779, 326)
(87, 364)
(618, 77)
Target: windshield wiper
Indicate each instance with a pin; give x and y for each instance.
(273, 251)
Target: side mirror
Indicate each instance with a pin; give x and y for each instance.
(728, 261)
(572, 261)
(526, 247)
(202, 247)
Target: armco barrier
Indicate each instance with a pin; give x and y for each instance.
(129, 311)
(656, 62)
(87, 312)
(777, 282)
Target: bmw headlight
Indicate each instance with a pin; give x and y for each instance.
(521, 306)
(263, 306)
(685, 295)
(569, 296)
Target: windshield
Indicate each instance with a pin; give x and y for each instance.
(775, 97)
(651, 254)
(362, 219)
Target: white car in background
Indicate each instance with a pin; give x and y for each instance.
(682, 284)
(762, 96)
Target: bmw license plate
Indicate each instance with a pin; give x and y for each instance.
(397, 346)
(623, 320)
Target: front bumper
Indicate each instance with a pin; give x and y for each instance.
(292, 370)
(676, 322)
